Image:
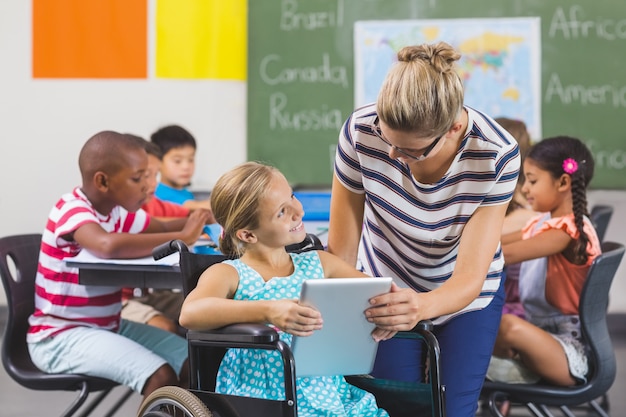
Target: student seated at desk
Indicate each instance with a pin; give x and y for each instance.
(156, 307)
(518, 213)
(77, 328)
(154, 206)
(179, 153)
(557, 248)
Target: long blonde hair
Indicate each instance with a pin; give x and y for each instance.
(422, 92)
(235, 202)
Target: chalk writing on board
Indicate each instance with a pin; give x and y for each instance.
(586, 95)
(572, 24)
(272, 73)
(304, 119)
(604, 158)
(332, 150)
(303, 51)
(293, 19)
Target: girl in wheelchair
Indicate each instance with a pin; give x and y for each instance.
(260, 216)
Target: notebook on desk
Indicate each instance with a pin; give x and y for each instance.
(86, 257)
(344, 345)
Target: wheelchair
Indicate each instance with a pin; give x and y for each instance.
(207, 348)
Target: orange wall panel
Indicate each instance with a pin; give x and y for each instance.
(90, 39)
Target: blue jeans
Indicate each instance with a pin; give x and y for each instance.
(466, 344)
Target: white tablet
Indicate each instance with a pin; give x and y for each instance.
(344, 345)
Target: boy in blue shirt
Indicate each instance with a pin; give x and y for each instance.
(178, 166)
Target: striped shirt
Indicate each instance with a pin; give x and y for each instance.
(60, 301)
(412, 230)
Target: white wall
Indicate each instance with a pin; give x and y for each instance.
(43, 124)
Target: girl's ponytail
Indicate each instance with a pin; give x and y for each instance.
(579, 202)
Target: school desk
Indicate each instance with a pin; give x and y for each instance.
(146, 272)
(134, 273)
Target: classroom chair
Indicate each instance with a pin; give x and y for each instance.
(540, 397)
(207, 348)
(19, 256)
(600, 216)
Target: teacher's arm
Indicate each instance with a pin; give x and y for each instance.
(479, 242)
(402, 309)
(346, 222)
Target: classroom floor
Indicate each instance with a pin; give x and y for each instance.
(17, 401)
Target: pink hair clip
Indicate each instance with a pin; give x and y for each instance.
(570, 166)
(222, 234)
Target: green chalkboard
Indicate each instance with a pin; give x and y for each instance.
(301, 75)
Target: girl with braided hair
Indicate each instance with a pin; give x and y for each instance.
(556, 249)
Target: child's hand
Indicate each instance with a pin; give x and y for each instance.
(194, 205)
(211, 218)
(379, 334)
(194, 226)
(293, 318)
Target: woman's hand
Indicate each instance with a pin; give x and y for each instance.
(379, 334)
(294, 318)
(398, 310)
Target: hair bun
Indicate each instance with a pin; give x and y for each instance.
(413, 53)
(441, 55)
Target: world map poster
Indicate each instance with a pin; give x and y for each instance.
(500, 61)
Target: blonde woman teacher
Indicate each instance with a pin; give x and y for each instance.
(420, 190)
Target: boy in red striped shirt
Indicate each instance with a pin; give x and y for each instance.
(77, 328)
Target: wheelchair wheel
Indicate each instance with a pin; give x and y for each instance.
(173, 401)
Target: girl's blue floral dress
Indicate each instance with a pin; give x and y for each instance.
(259, 373)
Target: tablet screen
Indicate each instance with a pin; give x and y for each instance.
(344, 345)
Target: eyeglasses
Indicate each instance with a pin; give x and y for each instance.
(405, 152)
